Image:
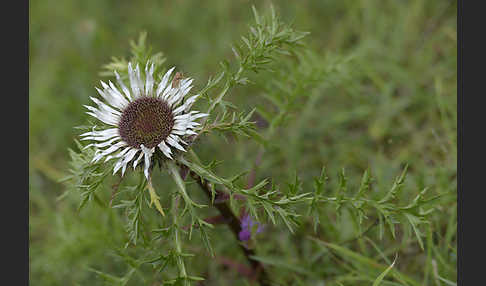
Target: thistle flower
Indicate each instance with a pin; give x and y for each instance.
(247, 223)
(142, 118)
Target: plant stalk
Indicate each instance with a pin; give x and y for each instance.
(234, 224)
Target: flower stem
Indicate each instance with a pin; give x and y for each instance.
(235, 225)
(180, 261)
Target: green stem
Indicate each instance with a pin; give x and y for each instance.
(180, 261)
(235, 225)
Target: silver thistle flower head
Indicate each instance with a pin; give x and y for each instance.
(142, 118)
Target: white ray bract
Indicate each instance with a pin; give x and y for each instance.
(187, 104)
(165, 149)
(128, 158)
(163, 83)
(138, 79)
(134, 83)
(113, 100)
(119, 101)
(105, 118)
(147, 156)
(149, 81)
(100, 135)
(168, 93)
(102, 153)
(123, 86)
(104, 144)
(135, 163)
(171, 141)
(112, 95)
(106, 108)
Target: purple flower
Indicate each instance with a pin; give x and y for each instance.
(247, 223)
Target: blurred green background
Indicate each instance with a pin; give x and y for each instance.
(394, 103)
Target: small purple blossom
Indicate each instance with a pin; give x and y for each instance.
(247, 223)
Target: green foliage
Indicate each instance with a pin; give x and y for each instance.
(85, 176)
(140, 53)
(133, 210)
(366, 91)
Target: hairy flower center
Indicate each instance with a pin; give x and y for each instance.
(146, 121)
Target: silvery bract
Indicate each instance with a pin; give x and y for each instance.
(142, 118)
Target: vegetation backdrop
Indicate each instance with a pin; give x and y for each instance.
(373, 88)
